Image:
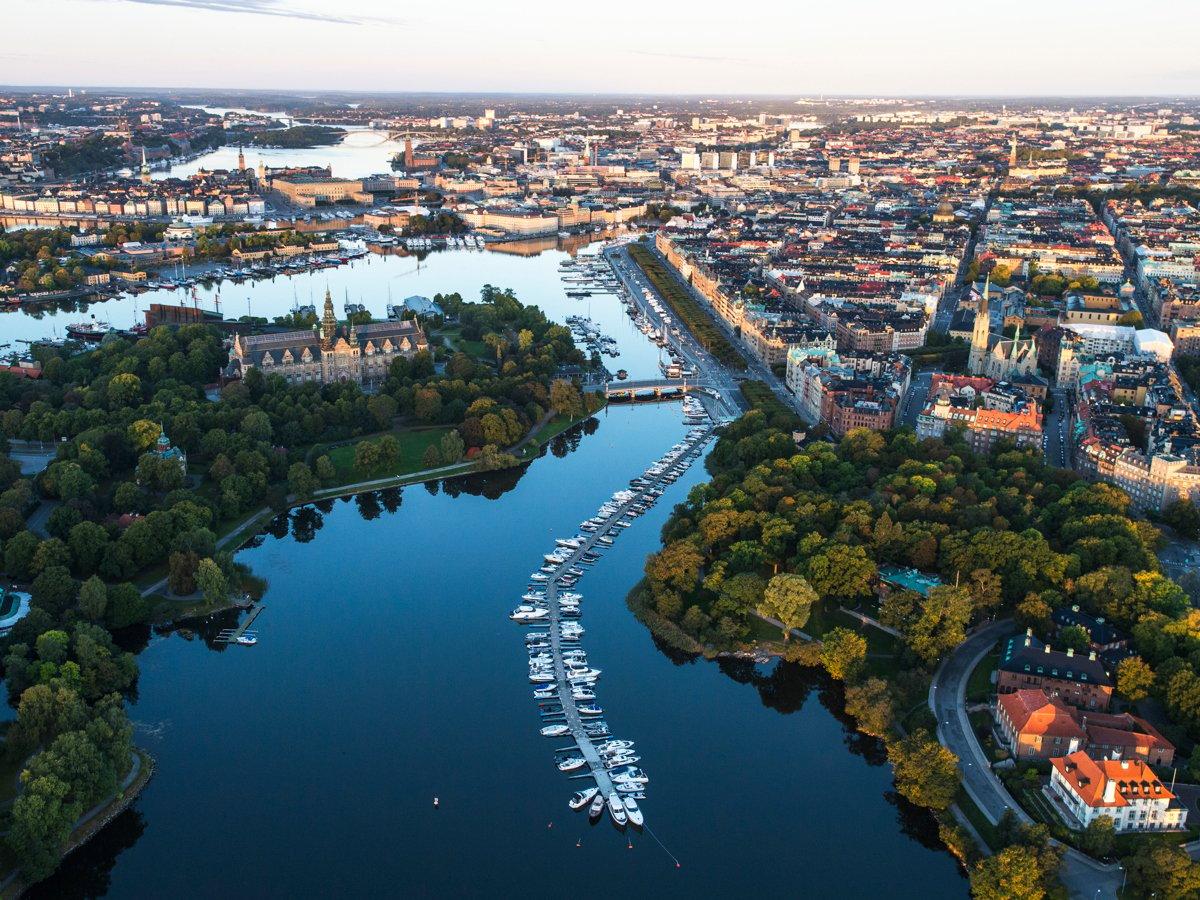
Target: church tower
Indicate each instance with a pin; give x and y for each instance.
(241, 160)
(328, 323)
(981, 332)
(1012, 153)
(145, 175)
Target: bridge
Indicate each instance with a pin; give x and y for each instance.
(655, 389)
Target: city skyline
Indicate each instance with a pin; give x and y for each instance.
(924, 49)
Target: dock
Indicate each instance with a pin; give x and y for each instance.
(570, 713)
(231, 635)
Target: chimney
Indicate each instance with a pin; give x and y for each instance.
(1110, 790)
(1070, 652)
(1124, 764)
(1075, 607)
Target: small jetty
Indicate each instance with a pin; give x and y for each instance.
(242, 634)
(558, 668)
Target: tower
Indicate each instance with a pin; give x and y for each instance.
(1012, 152)
(328, 323)
(145, 175)
(262, 173)
(981, 332)
(408, 154)
(241, 160)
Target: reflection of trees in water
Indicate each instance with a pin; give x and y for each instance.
(916, 821)
(391, 498)
(674, 654)
(569, 441)
(88, 871)
(368, 505)
(278, 526)
(306, 522)
(491, 485)
(433, 487)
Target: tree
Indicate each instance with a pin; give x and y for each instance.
(1134, 678)
(451, 447)
(789, 599)
(841, 571)
(54, 590)
(926, 772)
(87, 542)
(211, 581)
(1015, 873)
(366, 456)
(301, 480)
(1074, 637)
(256, 425)
(382, 408)
(42, 818)
(1098, 837)
(1162, 869)
(564, 398)
(870, 703)
(143, 433)
(326, 472)
(843, 653)
(124, 390)
(942, 622)
(93, 599)
(181, 573)
(431, 458)
(18, 555)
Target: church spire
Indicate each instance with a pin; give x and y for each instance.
(328, 322)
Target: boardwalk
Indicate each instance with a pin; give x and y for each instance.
(570, 713)
(231, 635)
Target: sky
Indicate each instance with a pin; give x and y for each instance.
(802, 47)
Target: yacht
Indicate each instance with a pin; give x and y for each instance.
(571, 763)
(555, 730)
(631, 809)
(538, 576)
(617, 809)
(589, 709)
(583, 798)
(247, 640)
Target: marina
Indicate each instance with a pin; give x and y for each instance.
(558, 666)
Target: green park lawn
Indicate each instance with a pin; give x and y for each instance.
(413, 444)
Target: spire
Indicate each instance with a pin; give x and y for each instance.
(328, 322)
(241, 160)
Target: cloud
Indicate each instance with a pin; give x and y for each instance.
(278, 8)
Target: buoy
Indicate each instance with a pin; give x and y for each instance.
(435, 801)
(579, 843)
(549, 824)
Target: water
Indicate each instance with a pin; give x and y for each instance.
(387, 673)
(363, 151)
(535, 279)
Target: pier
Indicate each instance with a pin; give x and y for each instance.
(231, 635)
(570, 714)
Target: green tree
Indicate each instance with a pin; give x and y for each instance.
(366, 456)
(326, 472)
(1162, 869)
(843, 653)
(211, 581)
(301, 480)
(451, 447)
(1099, 836)
(1015, 873)
(42, 817)
(1134, 678)
(789, 599)
(870, 702)
(93, 599)
(383, 410)
(926, 772)
(54, 590)
(431, 458)
(841, 571)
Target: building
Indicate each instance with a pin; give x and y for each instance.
(361, 353)
(995, 356)
(1081, 681)
(1125, 790)
(1038, 726)
(163, 449)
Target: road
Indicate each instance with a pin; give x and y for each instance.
(1084, 877)
(697, 357)
(914, 400)
(1056, 437)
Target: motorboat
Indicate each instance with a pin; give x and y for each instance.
(617, 810)
(583, 695)
(534, 596)
(632, 810)
(571, 763)
(247, 640)
(541, 677)
(527, 615)
(545, 693)
(555, 730)
(597, 807)
(609, 746)
(538, 576)
(583, 798)
(589, 710)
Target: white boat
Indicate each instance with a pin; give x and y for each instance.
(530, 615)
(583, 798)
(247, 640)
(571, 763)
(631, 809)
(538, 576)
(597, 806)
(617, 809)
(555, 730)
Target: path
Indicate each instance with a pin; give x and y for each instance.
(1083, 876)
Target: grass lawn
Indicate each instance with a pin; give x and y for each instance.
(979, 684)
(413, 444)
(975, 816)
(477, 349)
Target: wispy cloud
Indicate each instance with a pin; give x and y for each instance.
(278, 8)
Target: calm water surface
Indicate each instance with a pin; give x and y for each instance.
(387, 673)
